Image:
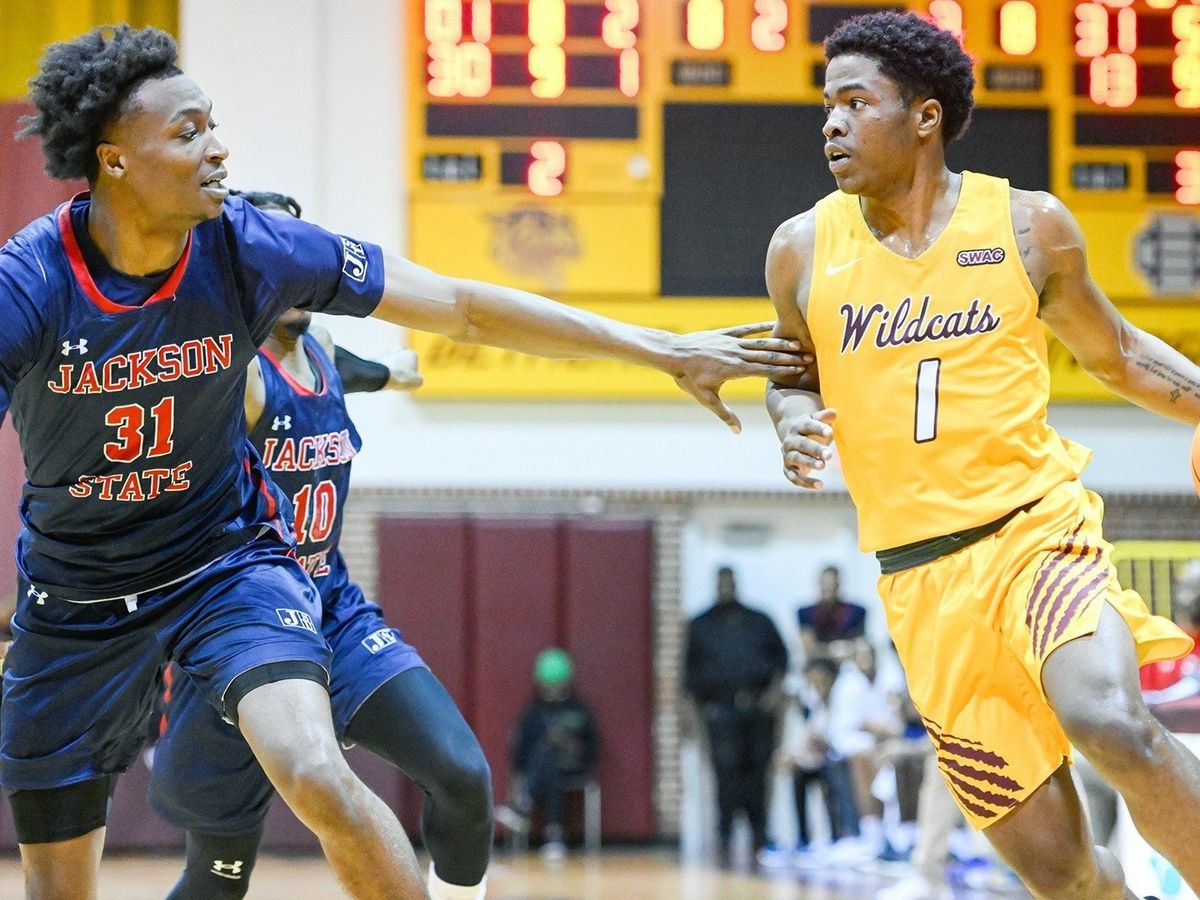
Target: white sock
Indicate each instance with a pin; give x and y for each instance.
(440, 890)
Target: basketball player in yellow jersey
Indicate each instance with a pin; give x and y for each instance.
(924, 293)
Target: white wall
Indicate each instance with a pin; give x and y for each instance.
(308, 94)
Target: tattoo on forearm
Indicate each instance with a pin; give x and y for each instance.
(1182, 385)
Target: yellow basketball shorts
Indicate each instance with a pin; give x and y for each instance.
(973, 629)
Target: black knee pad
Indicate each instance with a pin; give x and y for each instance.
(62, 813)
(218, 866)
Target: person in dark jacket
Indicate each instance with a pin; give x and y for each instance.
(555, 746)
(735, 659)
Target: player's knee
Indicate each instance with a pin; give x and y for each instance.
(320, 791)
(1122, 736)
(464, 783)
(1086, 875)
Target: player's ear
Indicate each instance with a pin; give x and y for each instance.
(112, 161)
(929, 117)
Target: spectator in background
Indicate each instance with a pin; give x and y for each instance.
(555, 747)
(831, 618)
(735, 661)
(807, 754)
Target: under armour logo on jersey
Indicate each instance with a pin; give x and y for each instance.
(284, 422)
(39, 595)
(81, 347)
(232, 870)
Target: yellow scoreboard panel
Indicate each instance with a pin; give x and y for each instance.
(634, 156)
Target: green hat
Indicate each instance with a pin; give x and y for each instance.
(553, 667)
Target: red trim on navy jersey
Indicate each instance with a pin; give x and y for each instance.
(291, 379)
(84, 277)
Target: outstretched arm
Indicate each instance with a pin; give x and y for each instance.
(481, 313)
(803, 424)
(1125, 359)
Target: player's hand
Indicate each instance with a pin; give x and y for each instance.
(806, 449)
(403, 368)
(710, 358)
(4, 645)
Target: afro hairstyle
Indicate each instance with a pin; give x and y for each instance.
(84, 84)
(921, 58)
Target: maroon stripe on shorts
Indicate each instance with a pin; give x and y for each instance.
(1080, 574)
(996, 780)
(980, 794)
(978, 810)
(1062, 572)
(1087, 593)
(987, 757)
(1045, 570)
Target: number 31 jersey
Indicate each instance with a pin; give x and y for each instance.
(937, 368)
(127, 394)
(307, 441)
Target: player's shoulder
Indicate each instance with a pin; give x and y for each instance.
(1046, 219)
(32, 264)
(796, 235)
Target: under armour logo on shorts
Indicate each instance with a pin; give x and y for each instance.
(81, 347)
(284, 422)
(39, 595)
(232, 870)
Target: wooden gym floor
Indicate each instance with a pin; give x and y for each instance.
(614, 875)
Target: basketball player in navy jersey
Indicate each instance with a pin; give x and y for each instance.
(151, 531)
(205, 778)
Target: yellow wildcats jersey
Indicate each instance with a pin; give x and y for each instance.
(937, 369)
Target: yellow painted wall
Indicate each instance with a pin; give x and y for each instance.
(27, 26)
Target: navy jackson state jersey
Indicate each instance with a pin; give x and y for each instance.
(127, 393)
(307, 441)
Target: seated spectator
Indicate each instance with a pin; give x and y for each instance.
(555, 746)
(831, 619)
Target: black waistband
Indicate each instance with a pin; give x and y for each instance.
(908, 556)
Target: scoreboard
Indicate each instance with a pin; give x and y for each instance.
(636, 150)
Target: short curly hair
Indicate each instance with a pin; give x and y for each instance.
(921, 58)
(84, 84)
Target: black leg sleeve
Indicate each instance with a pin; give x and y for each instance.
(218, 866)
(413, 723)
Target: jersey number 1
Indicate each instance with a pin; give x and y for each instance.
(926, 416)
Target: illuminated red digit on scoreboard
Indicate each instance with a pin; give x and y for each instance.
(547, 60)
(1091, 30)
(1113, 80)
(705, 23)
(948, 16)
(770, 22)
(1187, 176)
(546, 169)
(618, 32)
(1018, 27)
(457, 68)
(1185, 70)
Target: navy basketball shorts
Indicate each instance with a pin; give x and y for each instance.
(81, 679)
(205, 778)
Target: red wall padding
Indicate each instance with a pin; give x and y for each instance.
(609, 576)
(480, 598)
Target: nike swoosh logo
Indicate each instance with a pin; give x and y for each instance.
(831, 269)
